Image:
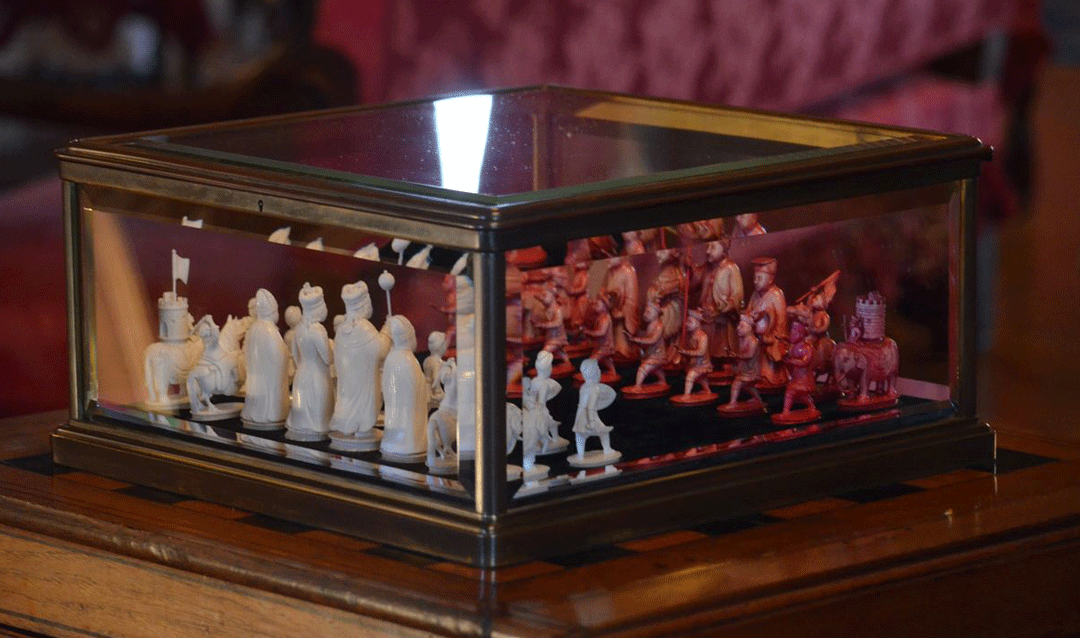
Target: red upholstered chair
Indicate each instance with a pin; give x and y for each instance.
(858, 59)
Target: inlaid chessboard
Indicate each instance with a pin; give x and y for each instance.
(167, 506)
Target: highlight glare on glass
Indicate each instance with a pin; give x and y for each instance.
(461, 128)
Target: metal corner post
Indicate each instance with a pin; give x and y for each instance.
(967, 302)
(489, 275)
(72, 249)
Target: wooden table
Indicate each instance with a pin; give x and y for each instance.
(960, 554)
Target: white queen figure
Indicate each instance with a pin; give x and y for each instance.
(312, 393)
(405, 392)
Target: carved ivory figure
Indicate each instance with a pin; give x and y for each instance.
(405, 395)
(266, 403)
(594, 396)
(312, 393)
(217, 371)
(432, 364)
(541, 390)
(442, 424)
(168, 361)
(359, 351)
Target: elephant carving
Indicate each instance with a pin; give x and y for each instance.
(167, 364)
(867, 368)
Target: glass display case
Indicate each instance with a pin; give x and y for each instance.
(498, 326)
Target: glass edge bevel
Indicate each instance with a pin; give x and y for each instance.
(73, 244)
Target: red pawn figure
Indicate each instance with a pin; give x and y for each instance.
(655, 355)
(550, 320)
(599, 329)
(699, 364)
(801, 381)
(747, 373)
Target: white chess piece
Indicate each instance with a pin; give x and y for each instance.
(543, 389)
(459, 265)
(405, 396)
(433, 363)
(266, 402)
(399, 246)
(369, 251)
(514, 424)
(316, 244)
(594, 396)
(359, 351)
(292, 319)
(281, 235)
(465, 324)
(167, 362)
(442, 424)
(421, 259)
(312, 394)
(217, 371)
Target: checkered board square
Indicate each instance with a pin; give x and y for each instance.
(1007, 461)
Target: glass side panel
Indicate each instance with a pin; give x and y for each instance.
(517, 142)
(672, 348)
(270, 342)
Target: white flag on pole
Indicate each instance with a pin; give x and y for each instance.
(180, 267)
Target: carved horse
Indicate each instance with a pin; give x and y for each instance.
(218, 370)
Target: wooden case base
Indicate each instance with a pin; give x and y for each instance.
(544, 528)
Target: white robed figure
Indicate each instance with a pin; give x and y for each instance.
(405, 396)
(312, 393)
(266, 403)
(359, 351)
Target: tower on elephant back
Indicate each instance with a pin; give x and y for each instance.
(866, 366)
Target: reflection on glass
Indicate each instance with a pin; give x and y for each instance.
(461, 128)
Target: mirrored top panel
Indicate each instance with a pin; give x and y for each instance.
(522, 141)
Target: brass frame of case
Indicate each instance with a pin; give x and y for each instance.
(495, 534)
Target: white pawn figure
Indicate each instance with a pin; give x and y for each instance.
(442, 425)
(359, 351)
(544, 388)
(266, 404)
(595, 396)
(433, 363)
(292, 319)
(534, 433)
(312, 394)
(405, 395)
